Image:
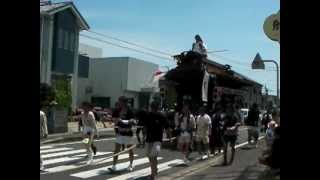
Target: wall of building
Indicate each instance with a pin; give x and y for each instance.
(119, 76)
(64, 42)
(140, 74)
(46, 49)
(108, 77)
(83, 94)
(91, 51)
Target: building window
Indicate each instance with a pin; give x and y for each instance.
(131, 102)
(71, 42)
(66, 40)
(60, 38)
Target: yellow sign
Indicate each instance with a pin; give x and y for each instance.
(271, 27)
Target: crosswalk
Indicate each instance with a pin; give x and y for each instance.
(59, 159)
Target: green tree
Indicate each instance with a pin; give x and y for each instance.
(63, 95)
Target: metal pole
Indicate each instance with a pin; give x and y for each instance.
(277, 66)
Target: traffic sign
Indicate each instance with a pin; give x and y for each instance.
(257, 63)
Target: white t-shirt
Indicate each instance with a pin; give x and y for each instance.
(203, 125)
(197, 48)
(43, 124)
(88, 120)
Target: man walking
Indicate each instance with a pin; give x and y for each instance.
(202, 133)
(252, 123)
(154, 125)
(216, 141)
(230, 129)
(43, 133)
(123, 120)
(141, 117)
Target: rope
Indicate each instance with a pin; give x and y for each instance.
(117, 154)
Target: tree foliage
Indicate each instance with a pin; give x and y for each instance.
(63, 94)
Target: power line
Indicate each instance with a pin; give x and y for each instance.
(131, 43)
(232, 60)
(117, 45)
(244, 64)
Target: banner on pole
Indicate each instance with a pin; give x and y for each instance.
(205, 84)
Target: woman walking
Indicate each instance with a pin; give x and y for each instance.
(89, 129)
(185, 125)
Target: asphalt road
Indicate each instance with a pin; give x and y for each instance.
(65, 161)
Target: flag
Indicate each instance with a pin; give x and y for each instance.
(205, 84)
(157, 75)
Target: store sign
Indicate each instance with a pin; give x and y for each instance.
(271, 27)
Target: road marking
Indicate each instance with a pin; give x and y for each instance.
(45, 147)
(54, 150)
(105, 170)
(63, 153)
(82, 164)
(180, 175)
(80, 142)
(71, 159)
(245, 143)
(146, 171)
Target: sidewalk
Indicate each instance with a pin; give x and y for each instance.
(244, 167)
(74, 134)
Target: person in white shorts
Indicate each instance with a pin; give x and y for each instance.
(89, 129)
(154, 124)
(202, 133)
(185, 125)
(123, 120)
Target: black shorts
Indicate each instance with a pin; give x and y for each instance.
(231, 139)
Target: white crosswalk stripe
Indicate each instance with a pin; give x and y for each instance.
(45, 147)
(54, 150)
(104, 170)
(70, 159)
(63, 153)
(75, 166)
(147, 171)
(63, 159)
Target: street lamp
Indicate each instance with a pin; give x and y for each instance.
(258, 63)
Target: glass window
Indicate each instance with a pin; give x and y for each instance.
(71, 42)
(66, 40)
(60, 38)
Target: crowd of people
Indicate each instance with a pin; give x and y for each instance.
(208, 131)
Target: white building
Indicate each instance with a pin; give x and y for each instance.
(121, 76)
(90, 51)
(84, 89)
(109, 78)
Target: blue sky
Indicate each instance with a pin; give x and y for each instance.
(170, 26)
